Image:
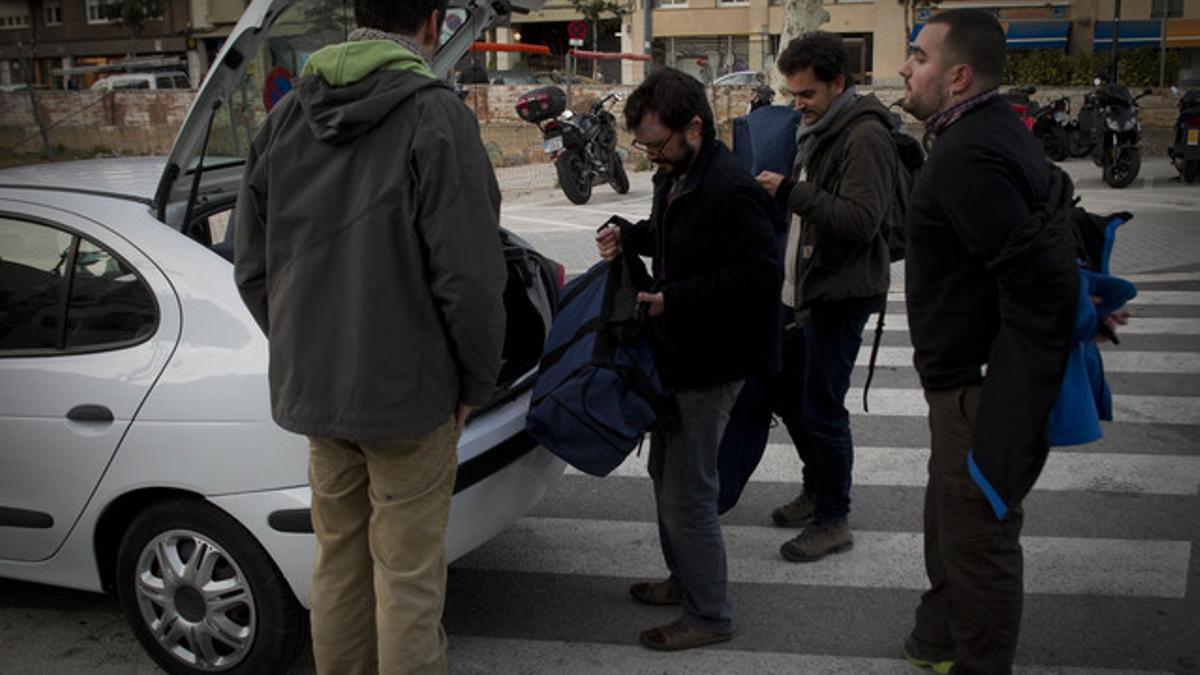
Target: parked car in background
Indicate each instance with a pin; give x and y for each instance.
(138, 452)
(162, 80)
(741, 78)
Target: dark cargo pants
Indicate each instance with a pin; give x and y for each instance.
(974, 561)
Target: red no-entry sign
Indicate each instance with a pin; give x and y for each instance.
(576, 29)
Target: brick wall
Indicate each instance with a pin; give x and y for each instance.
(145, 122)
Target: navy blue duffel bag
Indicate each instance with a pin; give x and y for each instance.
(597, 390)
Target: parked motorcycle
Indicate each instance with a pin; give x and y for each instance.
(584, 147)
(1118, 152)
(1018, 99)
(1083, 132)
(1050, 127)
(1185, 149)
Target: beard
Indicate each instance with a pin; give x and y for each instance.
(930, 100)
(676, 167)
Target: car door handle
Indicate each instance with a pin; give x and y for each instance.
(90, 413)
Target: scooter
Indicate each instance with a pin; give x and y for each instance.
(584, 147)
(1083, 132)
(1050, 126)
(1118, 152)
(1185, 149)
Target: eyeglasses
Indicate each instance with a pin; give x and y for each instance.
(653, 148)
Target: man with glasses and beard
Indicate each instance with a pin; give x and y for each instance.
(713, 314)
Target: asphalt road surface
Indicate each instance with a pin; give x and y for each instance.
(1111, 536)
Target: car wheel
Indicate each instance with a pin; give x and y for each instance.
(1190, 170)
(203, 596)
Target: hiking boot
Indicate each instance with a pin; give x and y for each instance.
(819, 540)
(939, 660)
(796, 513)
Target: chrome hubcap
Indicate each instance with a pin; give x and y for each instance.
(195, 600)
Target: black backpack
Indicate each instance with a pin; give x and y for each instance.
(910, 158)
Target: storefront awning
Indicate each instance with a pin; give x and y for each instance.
(1134, 34)
(1038, 35)
(1183, 33)
(1028, 34)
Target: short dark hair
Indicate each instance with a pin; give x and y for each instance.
(675, 97)
(821, 51)
(976, 38)
(397, 16)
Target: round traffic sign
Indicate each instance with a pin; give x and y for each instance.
(577, 29)
(276, 85)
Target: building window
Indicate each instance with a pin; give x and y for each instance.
(14, 21)
(1173, 8)
(669, 4)
(98, 11)
(52, 12)
(732, 3)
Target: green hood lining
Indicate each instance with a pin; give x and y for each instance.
(349, 62)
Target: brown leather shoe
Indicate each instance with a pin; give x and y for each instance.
(817, 541)
(678, 636)
(656, 593)
(796, 513)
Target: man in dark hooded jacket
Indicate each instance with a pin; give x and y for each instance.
(836, 273)
(367, 249)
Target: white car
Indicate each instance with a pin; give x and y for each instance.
(137, 451)
(124, 81)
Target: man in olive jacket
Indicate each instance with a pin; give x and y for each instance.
(367, 249)
(836, 274)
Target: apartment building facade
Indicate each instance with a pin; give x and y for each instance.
(63, 44)
(710, 38)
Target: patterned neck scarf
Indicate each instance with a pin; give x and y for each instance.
(360, 34)
(939, 121)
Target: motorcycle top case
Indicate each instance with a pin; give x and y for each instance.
(598, 390)
(542, 104)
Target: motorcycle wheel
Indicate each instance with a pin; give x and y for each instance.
(573, 177)
(1055, 143)
(617, 177)
(1191, 170)
(1123, 169)
(1077, 146)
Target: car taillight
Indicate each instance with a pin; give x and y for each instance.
(552, 126)
(1192, 121)
(560, 275)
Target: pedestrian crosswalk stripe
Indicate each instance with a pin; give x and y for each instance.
(898, 321)
(502, 656)
(1143, 298)
(1164, 277)
(1053, 565)
(1126, 407)
(1064, 470)
(1115, 360)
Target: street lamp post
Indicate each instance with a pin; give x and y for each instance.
(1116, 41)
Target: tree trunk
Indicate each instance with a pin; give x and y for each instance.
(799, 17)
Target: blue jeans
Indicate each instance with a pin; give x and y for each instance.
(810, 397)
(683, 466)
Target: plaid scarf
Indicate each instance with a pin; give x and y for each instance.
(939, 121)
